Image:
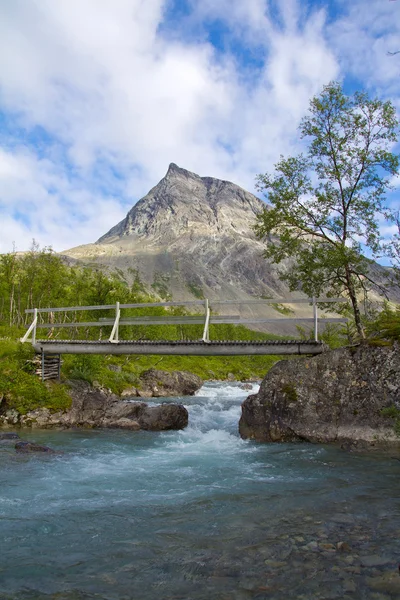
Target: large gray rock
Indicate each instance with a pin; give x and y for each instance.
(98, 407)
(334, 397)
(161, 384)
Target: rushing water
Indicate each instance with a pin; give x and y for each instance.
(196, 514)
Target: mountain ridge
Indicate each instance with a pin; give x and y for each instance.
(192, 237)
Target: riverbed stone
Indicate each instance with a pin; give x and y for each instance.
(32, 447)
(8, 435)
(335, 397)
(388, 582)
(374, 560)
(160, 384)
(343, 547)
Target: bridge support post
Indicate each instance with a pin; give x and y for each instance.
(206, 335)
(114, 333)
(32, 329)
(50, 366)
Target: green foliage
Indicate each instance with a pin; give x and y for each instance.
(26, 283)
(195, 290)
(282, 309)
(386, 326)
(393, 412)
(21, 389)
(325, 203)
(84, 366)
(290, 392)
(160, 285)
(334, 336)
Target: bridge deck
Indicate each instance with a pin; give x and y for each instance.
(197, 348)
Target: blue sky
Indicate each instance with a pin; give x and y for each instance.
(97, 97)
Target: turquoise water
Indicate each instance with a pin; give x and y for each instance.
(196, 514)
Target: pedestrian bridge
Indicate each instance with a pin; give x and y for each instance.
(61, 318)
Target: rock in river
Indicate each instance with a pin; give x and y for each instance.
(337, 396)
(31, 447)
(98, 407)
(161, 384)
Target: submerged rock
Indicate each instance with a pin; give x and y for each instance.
(9, 435)
(31, 447)
(337, 396)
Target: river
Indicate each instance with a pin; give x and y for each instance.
(197, 514)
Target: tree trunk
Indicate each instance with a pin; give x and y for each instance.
(355, 305)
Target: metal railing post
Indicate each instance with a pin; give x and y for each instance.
(315, 318)
(114, 333)
(206, 335)
(34, 328)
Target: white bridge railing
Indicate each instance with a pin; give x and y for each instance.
(205, 320)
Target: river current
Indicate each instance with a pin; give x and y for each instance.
(197, 514)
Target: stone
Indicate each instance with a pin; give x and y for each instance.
(374, 560)
(349, 586)
(129, 424)
(98, 407)
(130, 392)
(313, 546)
(334, 397)
(327, 547)
(343, 547)
(389, 582)
(164, 417)
(157, 383)
(9, 435)
(31, 448)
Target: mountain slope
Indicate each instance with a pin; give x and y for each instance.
(192, 237)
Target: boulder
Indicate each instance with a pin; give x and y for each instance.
(31, 447)
(163, 417)
(9, 435)
(98, 407)
(337, 397)
(160, 384)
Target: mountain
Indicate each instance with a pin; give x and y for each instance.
(192, 237)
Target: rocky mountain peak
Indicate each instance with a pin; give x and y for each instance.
(184, 204)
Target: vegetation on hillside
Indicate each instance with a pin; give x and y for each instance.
(40, 278)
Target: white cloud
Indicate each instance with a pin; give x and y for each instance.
(117, 94)
(40, 202)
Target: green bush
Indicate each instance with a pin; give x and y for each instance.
(20, 387)
(385, 329)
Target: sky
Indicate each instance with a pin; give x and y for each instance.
(97, 97)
